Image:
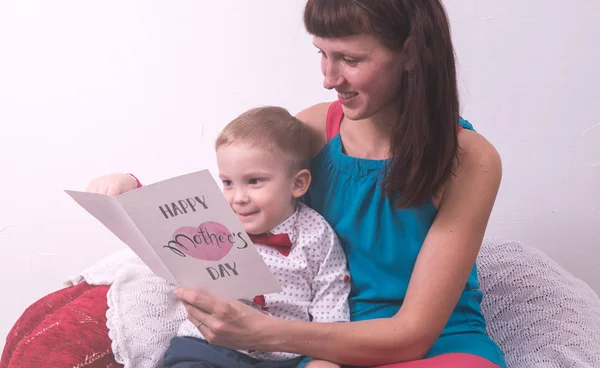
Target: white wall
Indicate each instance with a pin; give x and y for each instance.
(530, 77)
(88, 88)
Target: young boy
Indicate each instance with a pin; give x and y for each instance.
(263, 158)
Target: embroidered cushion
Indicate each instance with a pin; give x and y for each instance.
(66, 328)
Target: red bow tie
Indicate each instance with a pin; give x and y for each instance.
(281, 242)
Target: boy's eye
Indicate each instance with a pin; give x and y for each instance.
(227, 183)
(254, 181)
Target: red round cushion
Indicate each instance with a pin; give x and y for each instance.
(64, 329)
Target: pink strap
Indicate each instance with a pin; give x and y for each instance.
(450, 360)
(334, 119)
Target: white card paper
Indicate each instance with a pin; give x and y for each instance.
(185, 231)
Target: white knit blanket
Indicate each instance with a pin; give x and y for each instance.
(539, 314)
(143, 315)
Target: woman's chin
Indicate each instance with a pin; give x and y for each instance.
(353, 113)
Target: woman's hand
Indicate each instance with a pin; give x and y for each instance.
(228, 323)
(112, 184)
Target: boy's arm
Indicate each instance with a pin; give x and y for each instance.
(331, 285)
(137, 181)
(113, 184)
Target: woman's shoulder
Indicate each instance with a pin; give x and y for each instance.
(477, 152)
(478, 161)
(315, 117)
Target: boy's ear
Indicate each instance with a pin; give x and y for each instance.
(302, 181)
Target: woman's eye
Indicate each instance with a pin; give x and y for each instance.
(351, 62)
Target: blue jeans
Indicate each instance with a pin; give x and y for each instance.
(190, 352)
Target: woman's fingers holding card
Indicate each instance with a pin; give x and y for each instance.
(227, 323)
(198, 299)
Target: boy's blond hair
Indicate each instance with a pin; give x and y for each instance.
(272, 128)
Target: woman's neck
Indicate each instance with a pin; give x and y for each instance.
(369, 138)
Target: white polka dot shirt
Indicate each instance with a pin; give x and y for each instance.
(314, 276)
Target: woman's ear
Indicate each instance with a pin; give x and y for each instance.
(302, 181)
(409, 54)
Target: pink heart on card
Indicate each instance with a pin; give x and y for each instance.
(211, 241)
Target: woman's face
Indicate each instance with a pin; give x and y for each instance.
(365, 73)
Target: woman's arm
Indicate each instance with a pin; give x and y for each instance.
(439, 277)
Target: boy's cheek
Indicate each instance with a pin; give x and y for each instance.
(227, 195)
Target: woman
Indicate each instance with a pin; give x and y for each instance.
(408, 191)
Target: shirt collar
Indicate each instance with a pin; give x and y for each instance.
(288, 226)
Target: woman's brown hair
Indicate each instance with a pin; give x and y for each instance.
(424, 141)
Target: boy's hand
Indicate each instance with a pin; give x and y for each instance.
(112, 184)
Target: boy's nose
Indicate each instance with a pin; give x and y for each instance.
(240, 197)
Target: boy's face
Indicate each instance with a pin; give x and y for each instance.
(259, 186)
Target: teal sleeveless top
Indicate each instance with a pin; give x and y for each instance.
(382, 243)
